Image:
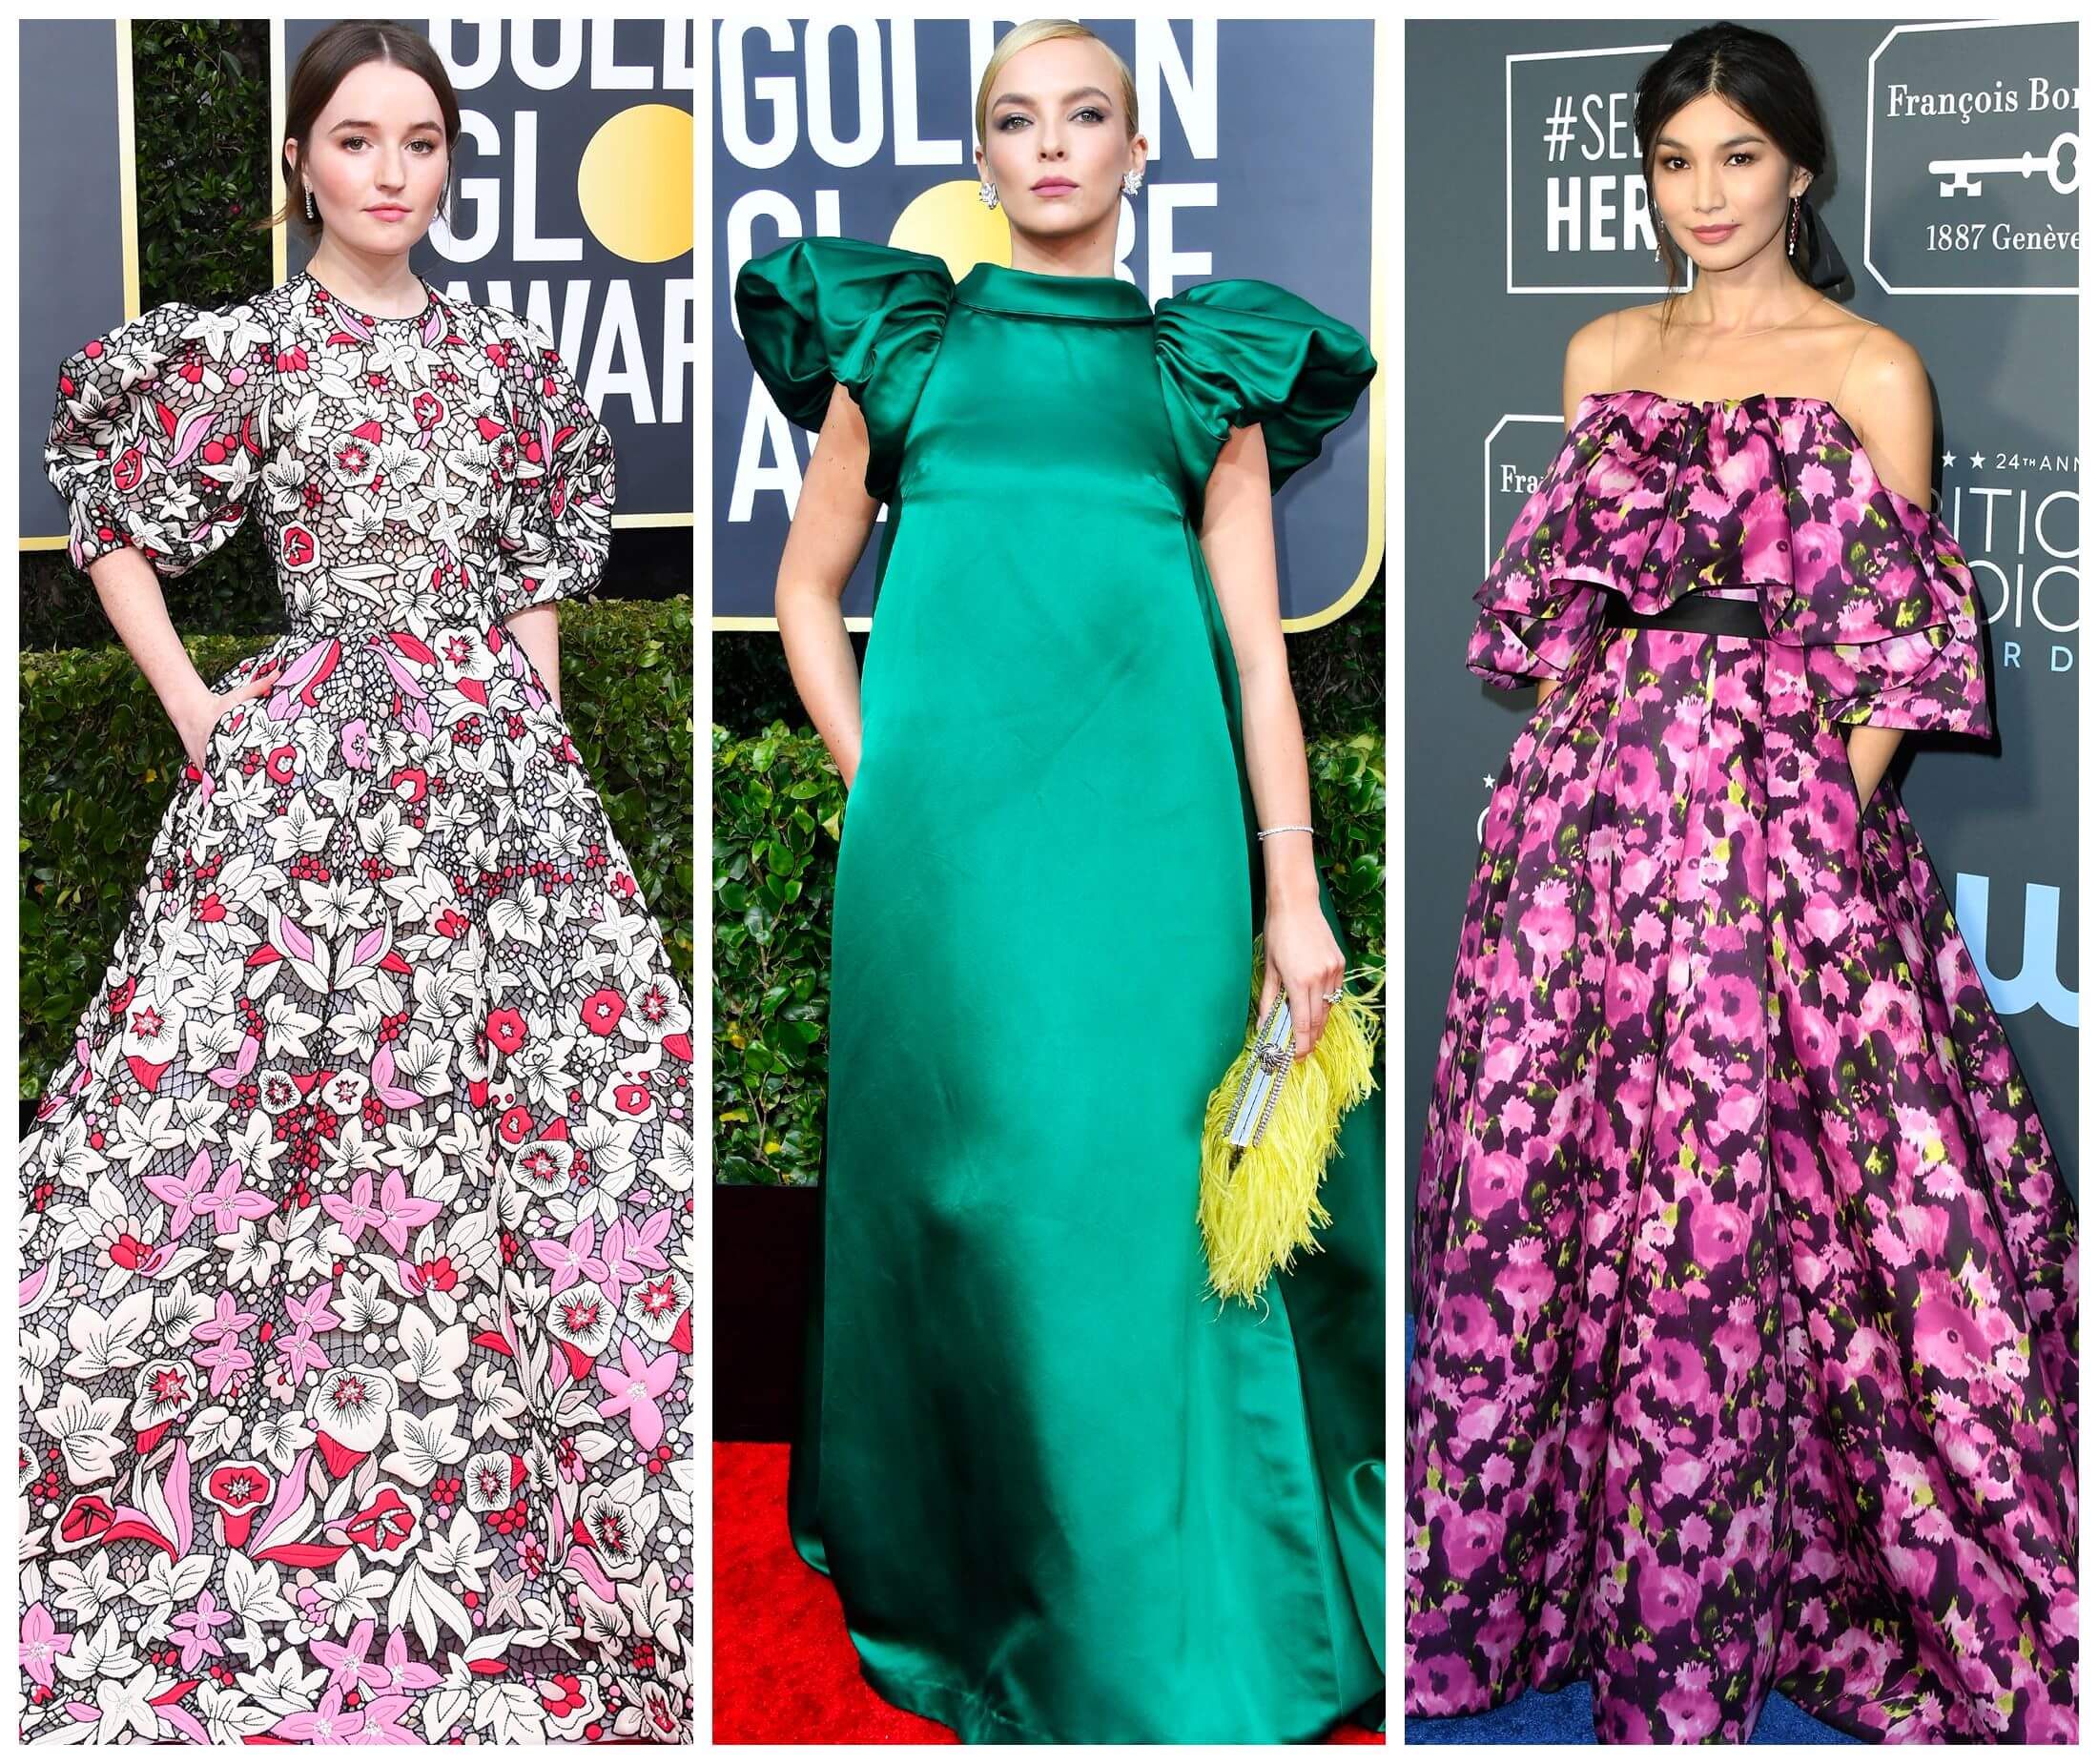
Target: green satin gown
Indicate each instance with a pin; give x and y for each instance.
(1064, 1500)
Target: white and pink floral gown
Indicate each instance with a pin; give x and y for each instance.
(356, 1297)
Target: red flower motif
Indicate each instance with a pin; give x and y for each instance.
(88, 1517)
(561, 1696)
(506, 1028)
(602, 1011)
(385, 1528)
(516, 1124)
(439, 1276)
(237, 1490)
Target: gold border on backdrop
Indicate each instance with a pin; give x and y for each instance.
(127, 225)
(1373, 530)
(127, 167)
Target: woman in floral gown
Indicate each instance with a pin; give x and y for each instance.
(356, 1305)
(1746, 1352)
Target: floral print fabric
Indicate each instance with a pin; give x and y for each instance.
(357, 1308)
(1746, 1351)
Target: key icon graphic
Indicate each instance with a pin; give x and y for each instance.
(1964, 176)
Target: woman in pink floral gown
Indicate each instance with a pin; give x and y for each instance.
(1746, 1351)
(357, 1298)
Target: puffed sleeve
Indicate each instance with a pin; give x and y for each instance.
(826, 312)
(1236, 353)
(563, 478)
(161, 433)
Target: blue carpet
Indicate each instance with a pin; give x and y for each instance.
(1564, 1717)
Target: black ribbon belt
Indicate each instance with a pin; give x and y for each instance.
(1712, 613)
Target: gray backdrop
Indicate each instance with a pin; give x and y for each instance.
(72, 232)
(1525, 218)
(1260, 135)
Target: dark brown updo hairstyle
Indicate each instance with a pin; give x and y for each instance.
(1759, 76)
(323, 66)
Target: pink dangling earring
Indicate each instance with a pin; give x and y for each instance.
(1792, 232)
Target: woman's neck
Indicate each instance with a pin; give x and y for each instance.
(1091, 253)
(1760, 295)
(380, 284)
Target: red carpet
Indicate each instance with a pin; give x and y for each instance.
(785, 1672)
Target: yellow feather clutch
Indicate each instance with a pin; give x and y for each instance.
(1259, 1200)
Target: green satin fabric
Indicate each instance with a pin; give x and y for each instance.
(1064, 1500)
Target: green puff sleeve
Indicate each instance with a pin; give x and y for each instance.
(1235, 353)
(825, 311)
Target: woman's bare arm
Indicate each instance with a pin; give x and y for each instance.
(538, 629)
(832, 521)
(1238, 543)
(130, 591)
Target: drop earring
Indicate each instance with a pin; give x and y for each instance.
(1792, 232)
(1131, 183)
(310, 215)
(988, 193)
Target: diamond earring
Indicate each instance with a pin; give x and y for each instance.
(310, 215)
(988, 193)
(1131, 183)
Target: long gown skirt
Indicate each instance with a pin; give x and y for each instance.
(1063, 1498)
(1746, 1351)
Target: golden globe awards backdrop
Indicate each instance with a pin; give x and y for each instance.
(572, 206)
(77, 211)
(1260, 137)
(1951, 195)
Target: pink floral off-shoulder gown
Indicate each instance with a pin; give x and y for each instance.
(356, 1297)
(1746, 1346)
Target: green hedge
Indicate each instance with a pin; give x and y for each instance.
(99, 760)
(778, 805)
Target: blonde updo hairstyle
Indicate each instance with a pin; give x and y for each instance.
(1047, 30)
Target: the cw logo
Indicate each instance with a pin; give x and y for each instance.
(2036, 982)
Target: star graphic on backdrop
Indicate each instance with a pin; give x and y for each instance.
(1947, 460)
(1488, 782)
(1977, 462)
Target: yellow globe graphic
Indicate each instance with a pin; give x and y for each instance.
(950, 221)
(635, 183)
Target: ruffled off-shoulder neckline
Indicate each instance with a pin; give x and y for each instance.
(1653, 498)
(1853, 441)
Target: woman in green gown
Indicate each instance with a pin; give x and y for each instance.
(1062, 1499)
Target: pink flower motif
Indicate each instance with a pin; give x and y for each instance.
(225, 1320)
(324, 1726)
(349, 1663)
(42, 1643)
(400, 1212)
(355, 1214)
(298, 1352)
(193, 1629)
(633, 1388)
(356, 744)
(572, 1260)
